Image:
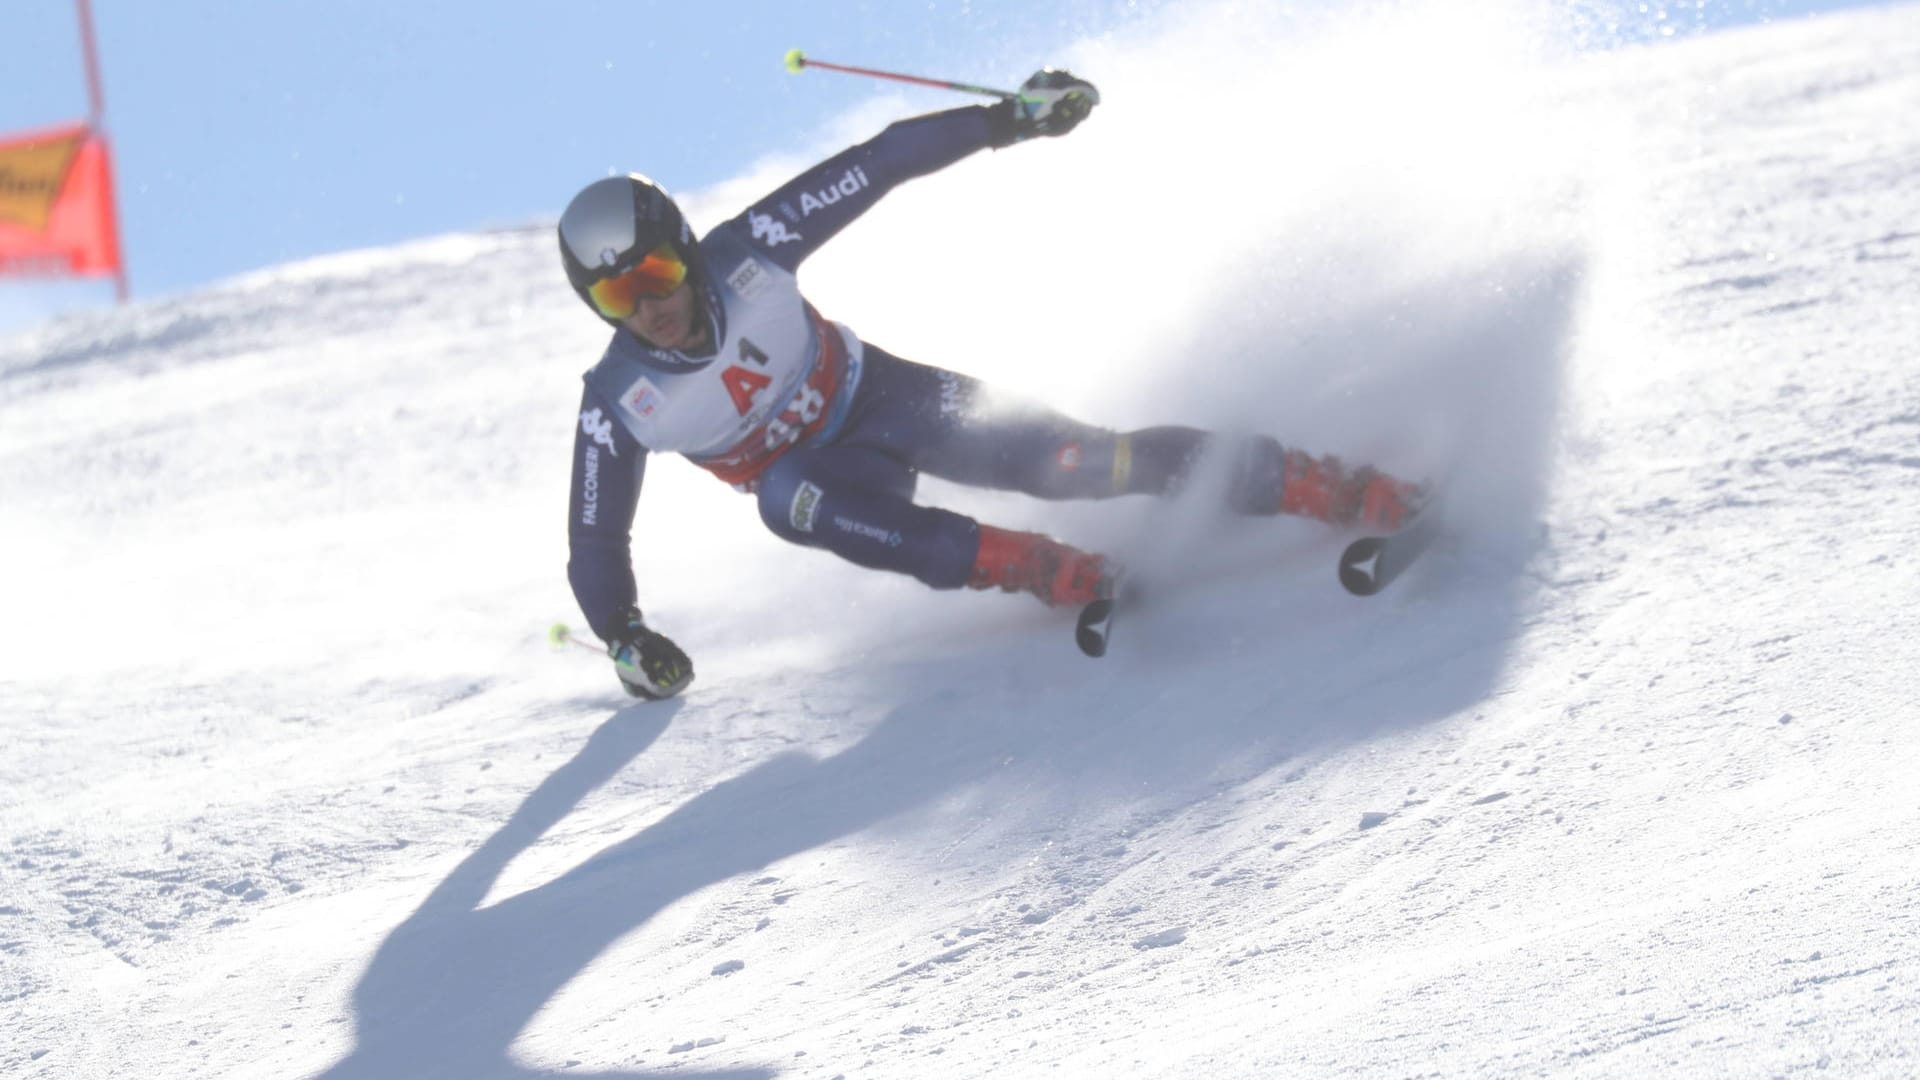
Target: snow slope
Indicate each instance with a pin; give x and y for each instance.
(1620, 783)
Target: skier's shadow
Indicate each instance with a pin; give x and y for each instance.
(453, 986)
(450, 989)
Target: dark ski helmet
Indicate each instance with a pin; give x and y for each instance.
(612, 225)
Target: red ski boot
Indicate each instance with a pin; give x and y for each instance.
(1029, 562)
(1365, 498)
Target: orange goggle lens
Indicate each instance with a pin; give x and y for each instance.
(655, 276)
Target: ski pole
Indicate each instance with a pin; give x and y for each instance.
(797, 62)
(558, 634)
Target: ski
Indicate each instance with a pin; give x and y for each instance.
(1367, 566)
(1370, 563)
(1095, 626)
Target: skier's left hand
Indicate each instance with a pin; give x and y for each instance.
(1052, 102)
(648, 663)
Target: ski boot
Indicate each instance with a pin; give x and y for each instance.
(1364, 498)
(1061, 576)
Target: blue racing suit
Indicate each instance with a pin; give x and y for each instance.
(827, 431)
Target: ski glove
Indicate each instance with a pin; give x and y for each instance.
(1052, 102)
(649, 664)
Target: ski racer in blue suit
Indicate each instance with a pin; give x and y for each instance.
(716, 355)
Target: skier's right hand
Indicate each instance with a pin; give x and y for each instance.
(649, 664)
(1051, 102)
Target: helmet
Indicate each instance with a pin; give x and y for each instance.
(613, 223)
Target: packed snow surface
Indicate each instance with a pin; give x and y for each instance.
(1622, 780)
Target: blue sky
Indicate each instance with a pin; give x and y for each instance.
(247, 134)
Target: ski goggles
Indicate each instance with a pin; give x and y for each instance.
(655, 276)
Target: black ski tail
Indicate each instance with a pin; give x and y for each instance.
(1095, 627)
(1371, 563)
(1094, 630)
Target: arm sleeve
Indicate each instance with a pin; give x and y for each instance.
(801, 215)
(608, 466)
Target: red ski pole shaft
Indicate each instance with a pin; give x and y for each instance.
(797, 62)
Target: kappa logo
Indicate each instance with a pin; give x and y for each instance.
(851, 183)
(595, 425)
(771, 231)
(806, 507)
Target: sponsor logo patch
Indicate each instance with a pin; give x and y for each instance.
(771, 231)
(643, 399)
(590, 489)
(749, 279)
(871, 532)
(850, 183)
(806, 506)
(1069, 457)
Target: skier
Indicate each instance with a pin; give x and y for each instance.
(716, 355)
